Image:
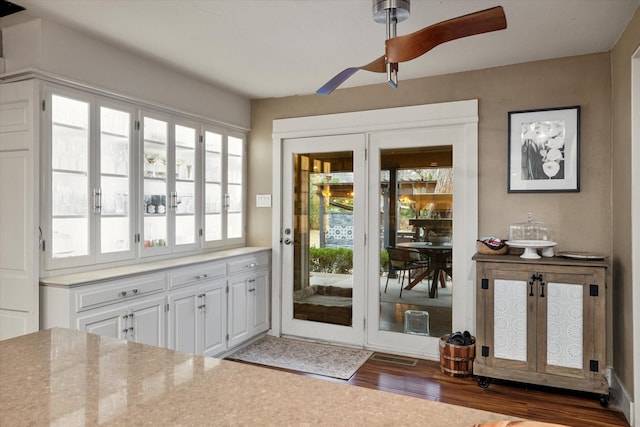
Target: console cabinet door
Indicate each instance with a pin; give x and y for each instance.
(508, 335)
(569, 342)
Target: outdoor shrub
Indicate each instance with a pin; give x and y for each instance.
(331, 260)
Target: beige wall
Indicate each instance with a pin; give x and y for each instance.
(582, 221)
(621, 175)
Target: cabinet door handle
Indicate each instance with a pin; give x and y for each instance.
(531, 288)
(541, 289)
(97, 200)
(251, 280)
(252, 290)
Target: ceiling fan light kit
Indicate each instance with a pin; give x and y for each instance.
(411, 46)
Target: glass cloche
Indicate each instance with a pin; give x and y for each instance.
(530, 236)
(530, 230)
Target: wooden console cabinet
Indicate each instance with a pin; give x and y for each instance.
(541, 322)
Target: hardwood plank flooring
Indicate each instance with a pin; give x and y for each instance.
(426, 381)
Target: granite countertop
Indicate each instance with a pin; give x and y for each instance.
(64, 377)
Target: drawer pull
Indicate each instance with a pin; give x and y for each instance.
(252, 290)
(253, 264)
(125, 293)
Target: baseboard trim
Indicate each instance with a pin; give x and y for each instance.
(620, 398)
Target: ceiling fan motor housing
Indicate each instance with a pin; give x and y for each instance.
(400, 7)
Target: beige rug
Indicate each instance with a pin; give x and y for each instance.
(328, 360)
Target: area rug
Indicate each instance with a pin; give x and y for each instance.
(321, 359)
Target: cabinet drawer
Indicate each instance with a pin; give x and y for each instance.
(119, 290)
(192, 275)
(244, 264)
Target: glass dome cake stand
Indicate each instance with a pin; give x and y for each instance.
(531, 246)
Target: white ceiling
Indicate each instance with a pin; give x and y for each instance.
(274, 48)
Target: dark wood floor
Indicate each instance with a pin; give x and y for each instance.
(426, 381)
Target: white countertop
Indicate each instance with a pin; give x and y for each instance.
(88, 277)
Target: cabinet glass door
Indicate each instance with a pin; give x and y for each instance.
(70, 186)
(184, 200)
(155, 187)
(235, 149)
(115, 181)
(212, 186)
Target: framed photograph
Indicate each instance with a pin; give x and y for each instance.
(544, 153)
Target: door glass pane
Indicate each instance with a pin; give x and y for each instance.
(155, 182)
(115, 145)
(69, 177)
(234, 187)
(323, 237)
(416, 200)
(185, 185)
(213, 186)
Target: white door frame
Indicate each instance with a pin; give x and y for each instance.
(635, 229)
(458, 113)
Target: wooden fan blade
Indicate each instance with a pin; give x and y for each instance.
(376, 66)
(411, 46)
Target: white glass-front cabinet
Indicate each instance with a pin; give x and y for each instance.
(89, 187)
(123, 182)
(223, 192)
(169, 186)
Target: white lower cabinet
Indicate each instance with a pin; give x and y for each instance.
(198, 318)
(143, 321)
(248, 306)
(199, 307)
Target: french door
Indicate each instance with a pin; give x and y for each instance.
(323, 232)
(313, 162)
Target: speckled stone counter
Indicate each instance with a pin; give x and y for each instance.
(66, 378)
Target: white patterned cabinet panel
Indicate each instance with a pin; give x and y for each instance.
(541, 321)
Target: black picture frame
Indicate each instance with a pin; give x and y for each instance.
(544, 150)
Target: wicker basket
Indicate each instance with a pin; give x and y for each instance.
(485, 249)
(456, 360)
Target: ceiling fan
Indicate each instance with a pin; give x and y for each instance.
(411, 46)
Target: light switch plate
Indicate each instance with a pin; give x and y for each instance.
(263, 200)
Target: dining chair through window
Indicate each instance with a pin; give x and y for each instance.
(403, 261)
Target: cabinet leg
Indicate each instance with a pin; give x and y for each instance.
(604, 400)
(483, 382)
